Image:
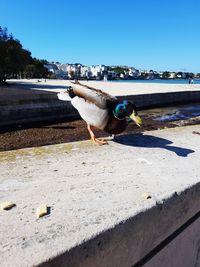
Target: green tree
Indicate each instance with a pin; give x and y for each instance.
(189, 75)
(166, 75)
(13, 58)
(143, 75)
(119, 70)
(35, 69)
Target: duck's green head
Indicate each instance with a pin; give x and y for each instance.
(127, 109)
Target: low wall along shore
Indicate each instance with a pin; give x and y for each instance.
(21, 105)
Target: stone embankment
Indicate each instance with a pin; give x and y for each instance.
(21, 105)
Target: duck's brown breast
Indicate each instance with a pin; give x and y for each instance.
(115, 126)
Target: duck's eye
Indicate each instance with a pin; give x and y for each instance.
(121, 107)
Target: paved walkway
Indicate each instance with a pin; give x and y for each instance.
(88, 188)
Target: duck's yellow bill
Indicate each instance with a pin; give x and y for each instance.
(136, 119)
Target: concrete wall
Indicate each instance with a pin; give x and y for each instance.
(184, 250)
(145, 101)
(166, 235)
(19, 106)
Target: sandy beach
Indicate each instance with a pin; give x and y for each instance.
(113, 88)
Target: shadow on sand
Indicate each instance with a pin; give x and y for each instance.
(149, 141)
(39, 86)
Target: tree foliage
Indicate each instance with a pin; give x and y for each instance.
(166, 75)
(15, 60)
(189, 75)
(35, 69)
(143, 75)
(120, 70)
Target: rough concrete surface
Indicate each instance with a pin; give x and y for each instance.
(90, 189)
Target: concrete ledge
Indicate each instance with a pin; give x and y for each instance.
(99, 216)
(138, 240)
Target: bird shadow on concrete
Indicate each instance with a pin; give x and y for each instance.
(149, 141)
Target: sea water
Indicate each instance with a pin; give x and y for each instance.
(170, 81)
(175, 113)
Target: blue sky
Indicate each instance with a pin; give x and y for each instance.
(156, 34)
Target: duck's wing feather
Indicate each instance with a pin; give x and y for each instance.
(64, 96)
(95, 96)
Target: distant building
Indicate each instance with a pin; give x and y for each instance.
(53, 68)
(102, 72)
(133, 73)
(172, 75)
(112, 75)
(86, 72)
(98, 71)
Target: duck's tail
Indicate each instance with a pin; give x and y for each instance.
(66, 95)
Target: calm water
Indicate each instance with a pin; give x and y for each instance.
(176, 113)
(157, 81)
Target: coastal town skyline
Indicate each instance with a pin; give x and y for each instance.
(158, 36)
(103, 72)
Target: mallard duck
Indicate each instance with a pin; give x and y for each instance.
(101, 110)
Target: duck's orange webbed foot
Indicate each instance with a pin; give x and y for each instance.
(100, 141)
(95, 140)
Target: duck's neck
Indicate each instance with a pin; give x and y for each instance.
(119, 112)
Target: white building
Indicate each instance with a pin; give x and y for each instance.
(133, 73)
(86, 72)
(98, 71)
(53, 68)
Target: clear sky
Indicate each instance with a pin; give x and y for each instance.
(146, 34)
